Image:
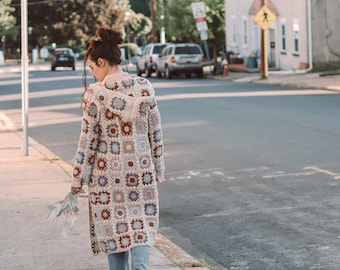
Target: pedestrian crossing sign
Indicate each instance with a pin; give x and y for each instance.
(265, 17)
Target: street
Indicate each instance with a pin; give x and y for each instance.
(252, 170)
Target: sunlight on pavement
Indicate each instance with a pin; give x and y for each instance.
(55, 114)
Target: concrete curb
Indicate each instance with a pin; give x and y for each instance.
(312, 81)
(178, 255)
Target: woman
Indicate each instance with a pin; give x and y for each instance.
(119, 156)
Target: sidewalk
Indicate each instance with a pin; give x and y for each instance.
(326, 81)
(27, 241)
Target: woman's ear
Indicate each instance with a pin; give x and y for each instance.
(100, 62)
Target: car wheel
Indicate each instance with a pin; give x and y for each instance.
(139, 72)
(158, 73)
(199, 73)
(148, 72)
(168, 73)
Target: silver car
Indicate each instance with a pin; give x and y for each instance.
(180, 58)
(147, 61)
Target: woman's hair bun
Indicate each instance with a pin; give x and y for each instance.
(106, 34)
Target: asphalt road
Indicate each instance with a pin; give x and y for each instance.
(253, 170)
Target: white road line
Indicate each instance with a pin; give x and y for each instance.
(311, 171)
(247, 94)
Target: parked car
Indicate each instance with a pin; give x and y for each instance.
(63, 57)
(147, 61)
(180, 58)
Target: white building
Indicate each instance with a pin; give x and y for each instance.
(306, 33)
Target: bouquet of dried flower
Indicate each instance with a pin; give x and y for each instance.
(67, 207)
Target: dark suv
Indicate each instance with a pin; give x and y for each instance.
(63, 57)
(180, 58)
(147, 61)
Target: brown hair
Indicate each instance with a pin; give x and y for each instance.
(104, 45)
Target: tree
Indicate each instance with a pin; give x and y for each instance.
(215, 10)
(141, 6)
(180, 25)
(140, 27)
(74, 21)
(71, 22)
(7, 22)
(152, 9)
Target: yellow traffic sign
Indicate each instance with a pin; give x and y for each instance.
(265, 17)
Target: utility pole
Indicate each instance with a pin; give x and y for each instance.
(264, 18)
(264, 53)
(153, 9)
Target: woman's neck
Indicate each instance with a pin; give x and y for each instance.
(114, 70)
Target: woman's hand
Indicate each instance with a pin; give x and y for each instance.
(75, 190)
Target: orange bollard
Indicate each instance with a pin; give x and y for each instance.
(225, 70)
(225, 67)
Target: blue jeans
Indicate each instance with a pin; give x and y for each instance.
(139, 259)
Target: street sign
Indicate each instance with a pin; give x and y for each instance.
(204, 35)
(265, 17)
(198, 10)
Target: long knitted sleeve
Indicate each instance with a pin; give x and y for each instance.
(88, 141)
(156, 140)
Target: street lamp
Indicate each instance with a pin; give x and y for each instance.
(126, 19)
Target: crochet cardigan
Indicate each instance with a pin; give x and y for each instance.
(120, 158)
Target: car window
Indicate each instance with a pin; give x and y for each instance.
(158, 49)
(165, 51)
(187, 50)
(63, 52)
(162, 52)
(169, 51)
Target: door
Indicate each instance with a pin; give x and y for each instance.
(272, 48)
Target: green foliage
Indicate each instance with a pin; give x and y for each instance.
(180, 26)
(141, 6)
(7, 20)
(179, 23)
(72, 22)
(140, 25)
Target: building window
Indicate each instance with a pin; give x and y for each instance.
(296, 34)
(245, 31)
(233, 29)
(256, 38)
(283, 38)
